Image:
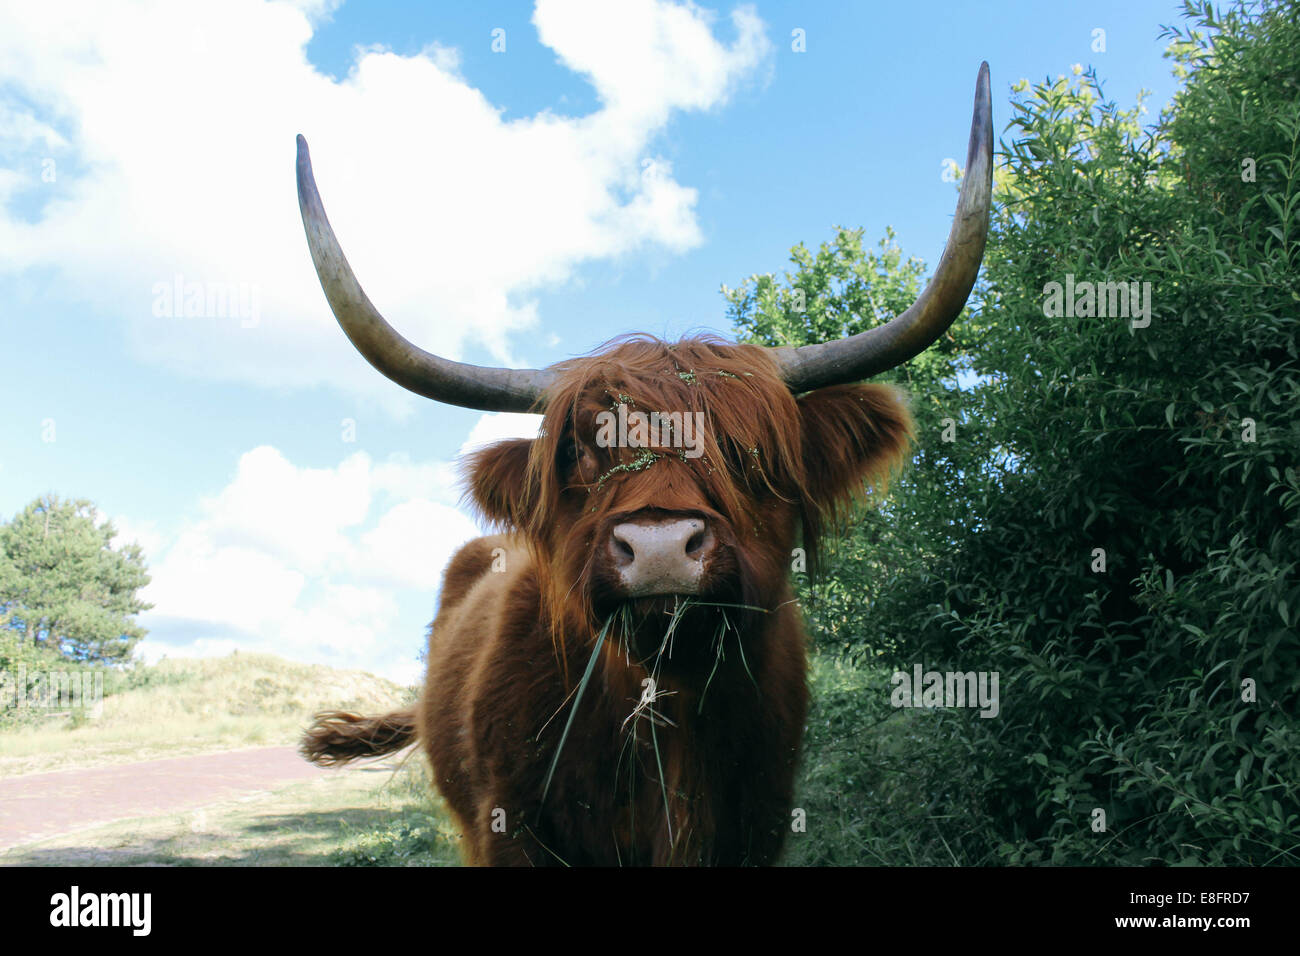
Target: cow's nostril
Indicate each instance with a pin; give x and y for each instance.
(623, 551)
(696, 543)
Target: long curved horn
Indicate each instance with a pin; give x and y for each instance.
(471, 386)
(883, 347)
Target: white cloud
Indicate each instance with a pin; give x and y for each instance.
(308, 563)
(172, 126)
(401, 478)
(413, 543)
(497, 426)
(201, 580)
(647, 58)
(311, 563)
(300, 515)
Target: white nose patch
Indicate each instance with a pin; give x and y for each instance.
(664, 557)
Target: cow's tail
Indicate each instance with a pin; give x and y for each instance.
(337, 737)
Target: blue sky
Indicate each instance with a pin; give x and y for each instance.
(606, 172)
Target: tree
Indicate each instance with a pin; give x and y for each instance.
(64, 587)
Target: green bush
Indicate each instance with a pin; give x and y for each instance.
(17, 659)
(1174, 448)
(873, 779)
(1163, 689)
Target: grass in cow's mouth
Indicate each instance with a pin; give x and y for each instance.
(644, 707)
(623, 622)
(718, 655)
(680, 607)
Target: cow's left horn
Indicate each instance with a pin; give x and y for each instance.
(883, 347)
(471, 386)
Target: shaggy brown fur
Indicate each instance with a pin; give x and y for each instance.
(699, 767)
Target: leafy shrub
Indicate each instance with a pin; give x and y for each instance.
(1163, 687)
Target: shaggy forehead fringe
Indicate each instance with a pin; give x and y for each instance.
(751, 434)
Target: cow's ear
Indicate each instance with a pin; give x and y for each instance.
(497, 477)
(853, 436)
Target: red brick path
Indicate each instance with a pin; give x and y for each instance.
(41, 805)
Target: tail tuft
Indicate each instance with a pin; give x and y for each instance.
(338, 737)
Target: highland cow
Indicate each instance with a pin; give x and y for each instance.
(618, 676)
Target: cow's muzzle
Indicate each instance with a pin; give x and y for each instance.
(661, 556)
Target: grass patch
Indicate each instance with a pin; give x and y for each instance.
(194, 705)
(419, 834)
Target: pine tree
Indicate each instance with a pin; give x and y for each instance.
(64, 587)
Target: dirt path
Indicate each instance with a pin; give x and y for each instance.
(41, 805)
